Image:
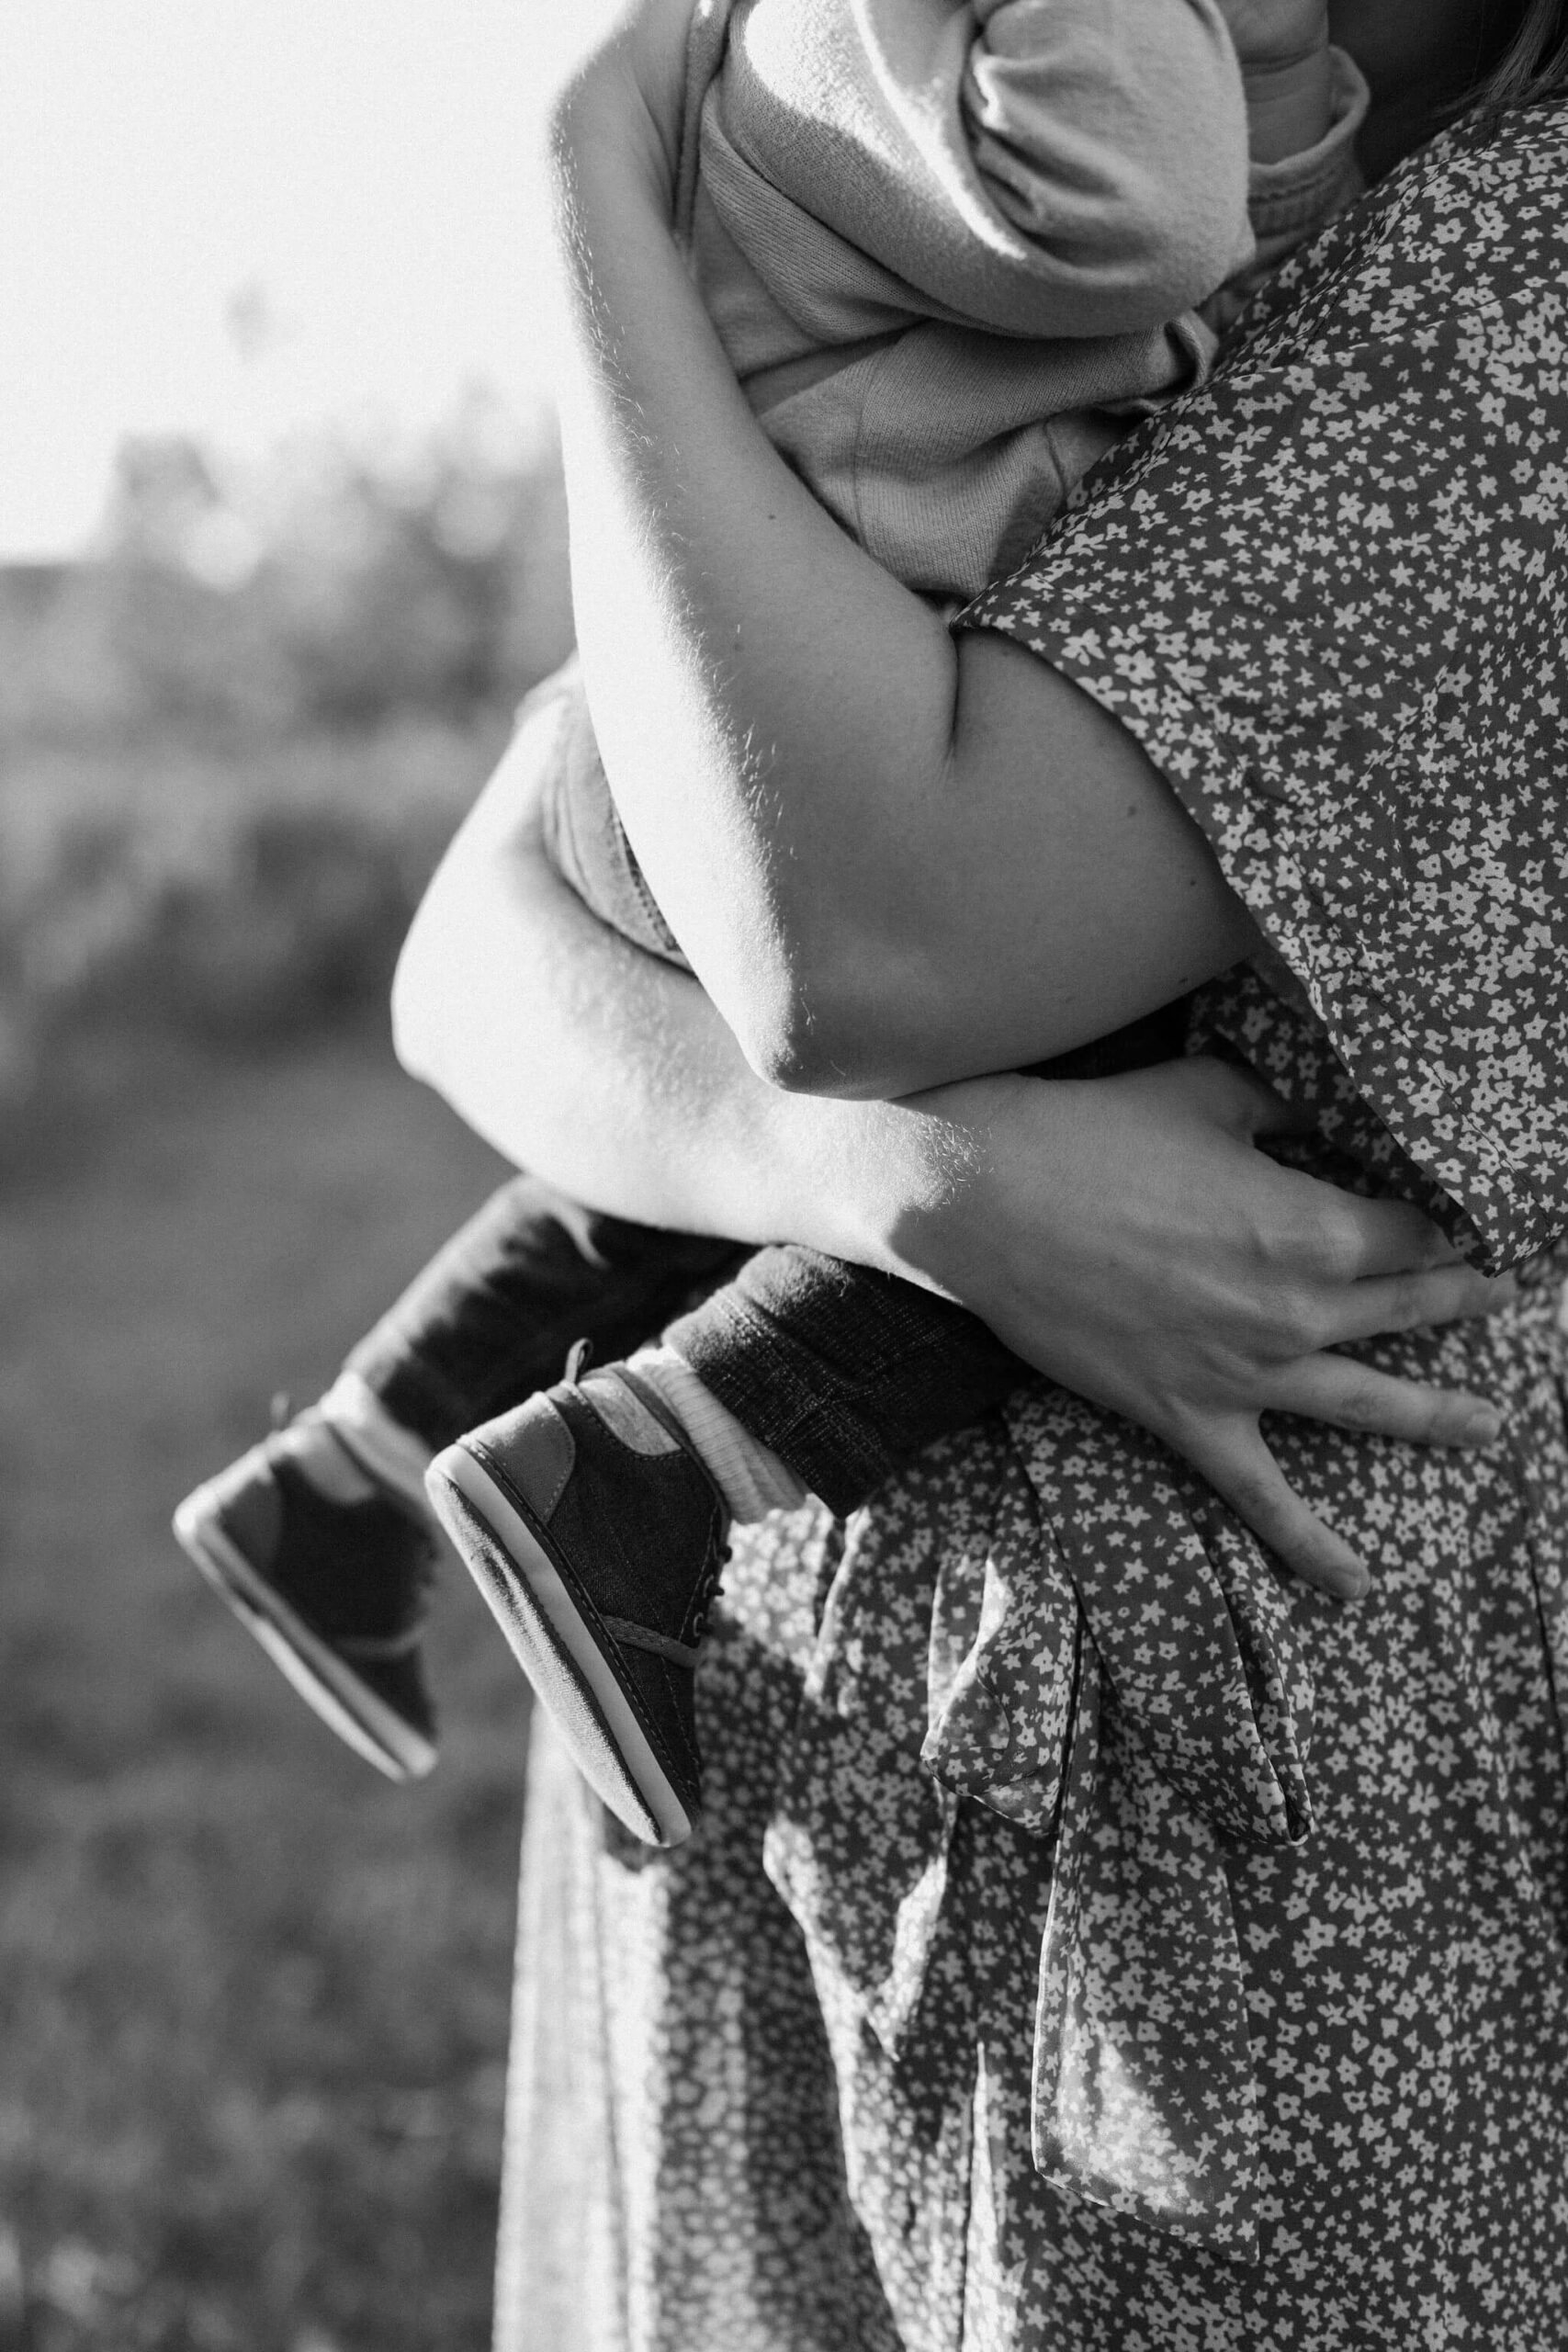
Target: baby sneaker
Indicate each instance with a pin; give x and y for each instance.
(597, 1536)
(335, 1591)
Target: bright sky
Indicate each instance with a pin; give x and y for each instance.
(239, 217)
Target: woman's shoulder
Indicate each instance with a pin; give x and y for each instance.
(1475, 215)
(1324, 594)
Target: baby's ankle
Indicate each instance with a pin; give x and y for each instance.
(323, 1461)
(395, 1458)
(751, 1478)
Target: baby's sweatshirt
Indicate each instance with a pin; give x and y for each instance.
(952, 251)
(948, 246)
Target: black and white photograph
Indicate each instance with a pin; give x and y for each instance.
(783, 1176)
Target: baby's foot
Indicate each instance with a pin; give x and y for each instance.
(331, 1576)
(597, 1536)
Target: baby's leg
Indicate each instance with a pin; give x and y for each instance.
(838, 1376)
(595, 1516)
(494, 1313)
(319, 1537)
(843, 1374)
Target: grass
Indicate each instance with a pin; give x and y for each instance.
(234, 891)
(252, 2000)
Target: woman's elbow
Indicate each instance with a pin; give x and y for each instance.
(825, 1025)
(804, 1056)
(419, 1016)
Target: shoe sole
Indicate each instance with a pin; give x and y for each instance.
(557, 1647)
(322, 1678)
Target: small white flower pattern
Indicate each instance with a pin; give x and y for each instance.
(1330, 598)
(1067, 2016)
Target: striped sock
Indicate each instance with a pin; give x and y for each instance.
(357, 1415)
(753, 1480)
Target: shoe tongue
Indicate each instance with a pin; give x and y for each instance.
(624, 1413)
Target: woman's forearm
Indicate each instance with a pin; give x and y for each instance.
(614, 1076)
(892, 860)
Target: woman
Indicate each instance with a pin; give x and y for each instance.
(818, 2119)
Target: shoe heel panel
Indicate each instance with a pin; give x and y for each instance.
(573, 1679)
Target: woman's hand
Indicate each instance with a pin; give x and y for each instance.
(1127, 1237)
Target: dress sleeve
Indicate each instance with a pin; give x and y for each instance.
(1328, 594)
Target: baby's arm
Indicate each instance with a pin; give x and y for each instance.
(1113, 136)
(1305, 103)
(1287, 73)
(1117, 131)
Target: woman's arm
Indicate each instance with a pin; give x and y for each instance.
(891, 860)
(1199, 1289)
(584, 1059)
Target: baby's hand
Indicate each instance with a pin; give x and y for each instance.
(1270, 35)
(1283, 49)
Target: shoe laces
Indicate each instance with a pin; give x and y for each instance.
(708, 1593)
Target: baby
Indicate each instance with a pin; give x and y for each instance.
(951, 252)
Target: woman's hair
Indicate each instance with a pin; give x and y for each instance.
(1531, 64)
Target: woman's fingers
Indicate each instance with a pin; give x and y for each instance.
(1233, 1457)
(1350, 1396)
(1410, 1302)
(1317, 1230)
(1358, 1238)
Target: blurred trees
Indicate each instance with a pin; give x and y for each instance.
(324, 591)
(234, 739)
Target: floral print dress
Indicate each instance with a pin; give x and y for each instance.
(1094, 1941)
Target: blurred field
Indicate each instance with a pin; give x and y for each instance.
(232, 745)
(252, 2000)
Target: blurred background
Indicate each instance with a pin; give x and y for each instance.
(281, 544)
